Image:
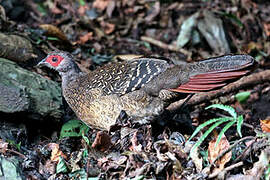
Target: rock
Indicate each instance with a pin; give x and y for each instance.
(13, 99)
(16, 47)
(10, 168)
(25, 91)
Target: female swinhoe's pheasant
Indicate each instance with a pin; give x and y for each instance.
(142, 87)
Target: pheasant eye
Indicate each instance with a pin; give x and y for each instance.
(54, 59)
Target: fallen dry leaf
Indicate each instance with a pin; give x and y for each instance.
(213, 152)
(110, 8)
(126, 57)
(136, 146)
(48, 168)
(3, 146)
(249, 142)
(56, 10)
(197, 160)
(240, 177)
(155, 10)
(84, 38)
(107, 27)
(101, 4)
(53, 7)
(260, 166)
(266, 28)
(52, 30)
(252, 46)
(265, 124)
(56, 152)
(102, 141)
(82, 9)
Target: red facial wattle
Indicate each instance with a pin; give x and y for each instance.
(54, 60)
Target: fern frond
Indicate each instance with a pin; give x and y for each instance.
(229, 109)
(198, 143)
(197, 130)
(240, 121)
(223, 131)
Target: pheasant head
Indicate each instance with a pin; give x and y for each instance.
(60, 61)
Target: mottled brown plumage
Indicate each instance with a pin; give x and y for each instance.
(142, 87)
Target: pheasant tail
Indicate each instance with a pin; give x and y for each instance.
(218, 71)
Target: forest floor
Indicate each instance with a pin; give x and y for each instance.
(101, 31)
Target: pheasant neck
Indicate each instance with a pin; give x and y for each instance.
(70, 74)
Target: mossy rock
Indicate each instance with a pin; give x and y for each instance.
(25, 91)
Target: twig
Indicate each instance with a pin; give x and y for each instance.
(251, 80)
(87, 167)
(186, 101)
(229, 149)
(244, 153)
(226, 169)
(249, 126)
(18, 153)
(165, 46)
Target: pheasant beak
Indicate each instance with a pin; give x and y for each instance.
(42, 63)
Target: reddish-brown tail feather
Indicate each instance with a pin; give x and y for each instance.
(209, 81)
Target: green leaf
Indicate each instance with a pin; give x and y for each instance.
(99, 59)
(242, 96)
(198, 143)
(81, 2)
(84, 129)
(69, 129)
(85, 153)
(81, 173)
(204, 155)
(267, 173)
(12, 142)
(233, 18)
(39, 41)
(240, 121)
(73, 128)
(147, 45)
(61, 166)
(86, 139)
(41, 9)
(18, 146)
(229, 109)
(53, 38)
(206, 124)
(223, 131)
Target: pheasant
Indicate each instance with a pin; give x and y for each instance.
(142, 87)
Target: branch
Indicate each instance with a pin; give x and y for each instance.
(165, 46)
(226, 170)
